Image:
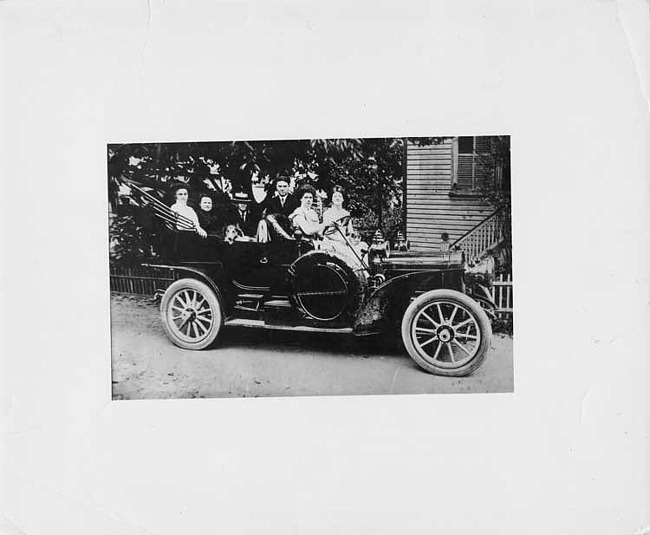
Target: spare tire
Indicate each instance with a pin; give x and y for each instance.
(327, 286)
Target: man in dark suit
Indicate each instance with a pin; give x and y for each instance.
(276, 210)
(282, 202)
(244, 214)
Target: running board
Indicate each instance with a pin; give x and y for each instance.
(278, 303)
(259, 324)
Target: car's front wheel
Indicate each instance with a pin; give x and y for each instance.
(446, 333)
(191, 314)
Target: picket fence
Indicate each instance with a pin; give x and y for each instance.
(140, 280)
(502, 294)
(150, 280)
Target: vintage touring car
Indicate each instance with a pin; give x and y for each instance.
(432, 303)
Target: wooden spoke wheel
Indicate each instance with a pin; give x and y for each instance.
(446, 333)
(191, 313)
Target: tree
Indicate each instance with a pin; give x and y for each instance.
(370, 170)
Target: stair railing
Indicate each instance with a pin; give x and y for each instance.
(476, 242)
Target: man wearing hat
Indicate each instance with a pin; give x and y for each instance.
(244, 214)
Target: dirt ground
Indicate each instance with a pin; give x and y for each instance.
(261, 363)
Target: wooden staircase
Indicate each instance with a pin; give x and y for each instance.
(480, 240)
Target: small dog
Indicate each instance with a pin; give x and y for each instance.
(233, 234)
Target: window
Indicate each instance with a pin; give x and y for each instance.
(465, 145)
(469, 170)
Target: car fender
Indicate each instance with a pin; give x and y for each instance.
(479, 289)
(386, 304)
(212, 277)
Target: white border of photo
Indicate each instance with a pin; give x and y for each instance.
(566, 453)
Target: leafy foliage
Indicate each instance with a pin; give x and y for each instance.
(370, 170)
(495, 189)
(131, 243)
(361, 165)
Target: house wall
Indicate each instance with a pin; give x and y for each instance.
(430, 209)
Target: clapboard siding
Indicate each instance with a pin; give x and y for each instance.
(444, 223)
(442, 166)
(421, 208)
(426, 166)
(438, 161)
(440, 180)
(439, 213)
(429, 172)
(430, 210)
(460, 221)
(446, 226)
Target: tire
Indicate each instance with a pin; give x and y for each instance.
(192, 314)
(446, 333)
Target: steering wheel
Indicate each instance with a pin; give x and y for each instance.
(340, 222)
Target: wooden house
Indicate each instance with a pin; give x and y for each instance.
(445, 197)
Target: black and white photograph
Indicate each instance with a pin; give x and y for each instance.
(324, 268)
(311, 267)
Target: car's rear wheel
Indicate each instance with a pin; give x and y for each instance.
(446, 333)
(191, 313)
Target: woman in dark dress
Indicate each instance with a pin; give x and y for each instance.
(211, 221)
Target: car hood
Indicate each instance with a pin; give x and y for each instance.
(419, 261)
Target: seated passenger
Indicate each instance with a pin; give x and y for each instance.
(183, 245)
(209, 219)
(338, 224)
(181, 195)
(245, 216)
(281, 202)
(276, 211)
(304, 219)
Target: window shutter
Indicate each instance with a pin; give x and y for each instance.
(465, 172)
(473, 168)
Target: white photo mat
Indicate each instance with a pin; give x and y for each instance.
(566, 453)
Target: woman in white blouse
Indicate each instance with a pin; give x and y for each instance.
(304, 219)
(338, 223)
(181, 208)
